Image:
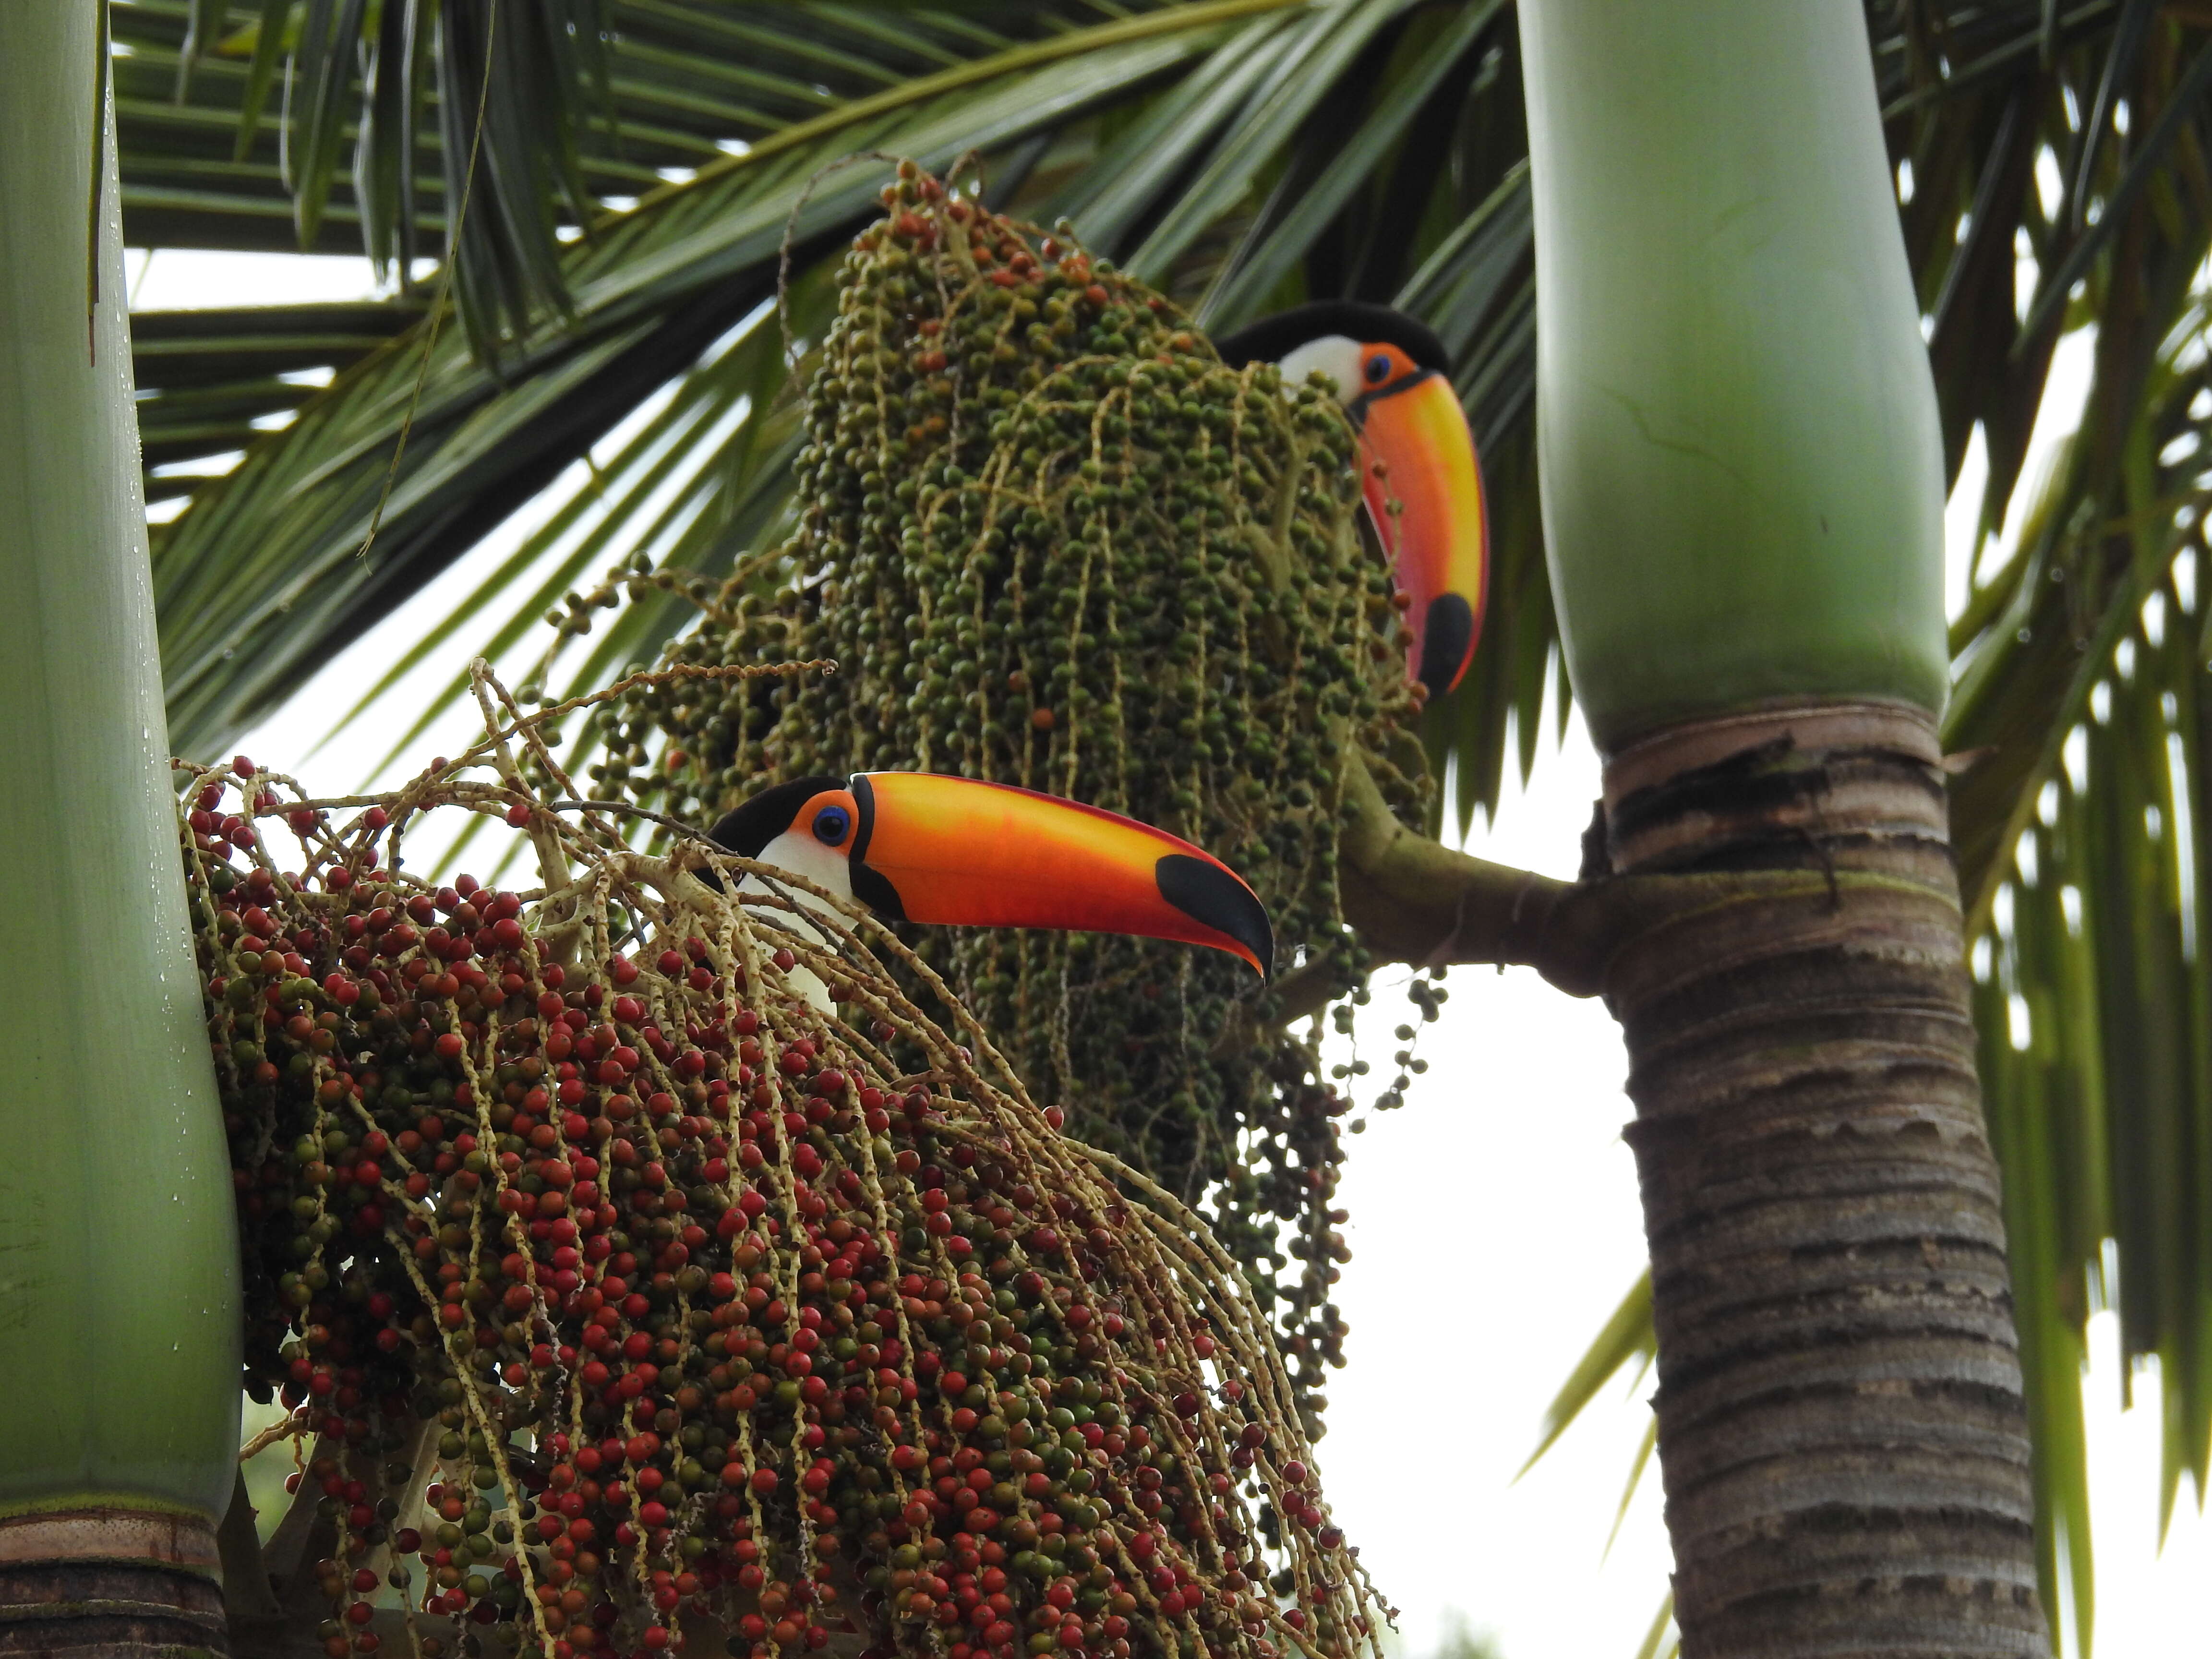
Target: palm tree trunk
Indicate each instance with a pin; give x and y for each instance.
(1840, 1420)
(119, 1296)
(1742, 485)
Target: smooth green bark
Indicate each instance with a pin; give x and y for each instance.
(119, 1296)
(1742, 477)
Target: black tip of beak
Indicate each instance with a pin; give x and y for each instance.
(1208, 894)
(1446, 633)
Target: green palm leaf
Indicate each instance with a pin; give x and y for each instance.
(650, 290)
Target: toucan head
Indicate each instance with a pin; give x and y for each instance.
(920, 847)
(1423, 484)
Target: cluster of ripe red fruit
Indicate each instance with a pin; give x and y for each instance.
(705, 1307)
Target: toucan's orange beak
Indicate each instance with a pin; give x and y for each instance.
(969, 853)
(1424, 487)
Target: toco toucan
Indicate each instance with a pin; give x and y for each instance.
(1416, 458)
(920, 847)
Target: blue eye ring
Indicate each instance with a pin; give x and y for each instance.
(831, 826)
(1378, 367)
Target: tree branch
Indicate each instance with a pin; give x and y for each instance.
(1414, 900)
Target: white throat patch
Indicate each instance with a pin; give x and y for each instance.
(797, 852)
(1336, 356)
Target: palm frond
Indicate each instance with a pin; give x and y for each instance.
(1626, 1339)
(1116, 121)
(2079, 701)
(212, 382)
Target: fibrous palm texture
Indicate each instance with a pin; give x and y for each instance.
(1050, 540)
(721, 1310)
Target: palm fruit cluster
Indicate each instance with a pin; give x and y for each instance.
(1051, 540)
(629, 1292)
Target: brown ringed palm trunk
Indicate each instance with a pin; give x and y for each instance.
(1841, 1425)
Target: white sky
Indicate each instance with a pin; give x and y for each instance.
(1495, 1221)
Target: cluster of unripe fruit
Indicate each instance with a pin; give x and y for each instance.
(1051, 540)
(627, 1291)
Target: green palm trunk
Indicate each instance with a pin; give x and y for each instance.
(118, 1276)
(1743, 493)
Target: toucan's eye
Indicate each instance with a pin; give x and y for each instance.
(1378, 369)
(831, 826)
